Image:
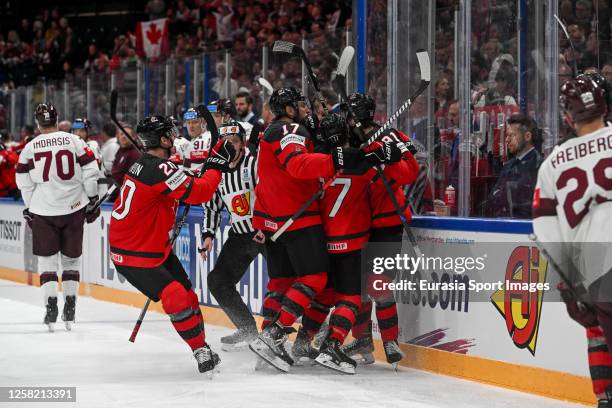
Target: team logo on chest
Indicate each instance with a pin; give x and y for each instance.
(241, 204)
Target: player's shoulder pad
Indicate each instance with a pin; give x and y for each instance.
(278, 130)
(151, 170)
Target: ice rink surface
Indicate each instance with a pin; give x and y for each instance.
(160, 371)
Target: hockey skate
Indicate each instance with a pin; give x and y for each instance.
(238, 340)
(363, 347)
(393, 352)
(332, 357)
(51, 314)
(321, 335)
(302, 351)
(270, 346)
(207, 360)
(69, 311)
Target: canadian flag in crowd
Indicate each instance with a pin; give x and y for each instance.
(152, 38)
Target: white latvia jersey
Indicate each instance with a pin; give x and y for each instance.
(237, 193)
(573, 202)
(56, 174)
(198, 151)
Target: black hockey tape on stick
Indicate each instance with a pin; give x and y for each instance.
(113, 114)
(425, 67)
(296, 51)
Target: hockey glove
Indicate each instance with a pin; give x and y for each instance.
(578, 311)
(379, 153)
(221, 156)
(182, 146)
(28, 217)
(409, 146)
(92, 212)
(347, 158)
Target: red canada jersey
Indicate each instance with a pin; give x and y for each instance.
(143, 216)
(345, 209)
(289, 175)
(404, 172)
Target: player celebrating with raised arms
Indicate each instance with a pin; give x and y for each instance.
(289, 174)
(57, 176)
(143, 219)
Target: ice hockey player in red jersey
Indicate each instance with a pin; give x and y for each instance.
(345, 210)
(386, 227)
(142, 222)
(289, 174)
(572, 209)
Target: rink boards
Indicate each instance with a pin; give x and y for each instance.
(532, 347)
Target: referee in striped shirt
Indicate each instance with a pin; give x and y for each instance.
(236, 192)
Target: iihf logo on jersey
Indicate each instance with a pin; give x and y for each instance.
(521, 308)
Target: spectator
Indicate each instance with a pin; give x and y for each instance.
(8, 163)
(513, 191)
(109, 148)
(219, 83)
(606, 71)
(125, 157)
(65, 126)
(244, 107)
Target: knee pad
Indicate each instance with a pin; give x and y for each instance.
(70, 264)
(48, 263)
(315, 281)
(193, 300)
(175, 299)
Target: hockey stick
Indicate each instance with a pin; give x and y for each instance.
(266, 85)
(113, 114)
(579, 291)
(423, 59)
(296, 51)
(98, 203)
(569, 39)
(214, 137)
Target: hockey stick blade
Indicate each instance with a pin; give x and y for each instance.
(424, 65)
(284, 46)
(113, 114)
(569, 39)
(265, 84)
(210, 124)
(345, 60)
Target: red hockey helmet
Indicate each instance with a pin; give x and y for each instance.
(583, 98)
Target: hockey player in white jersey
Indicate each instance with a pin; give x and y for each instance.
(236, 192)
(57, 176)
(572, 217)
(194, 152)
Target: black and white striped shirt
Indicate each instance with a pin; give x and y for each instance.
(237, 193)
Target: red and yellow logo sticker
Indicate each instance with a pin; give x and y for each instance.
(522, 309)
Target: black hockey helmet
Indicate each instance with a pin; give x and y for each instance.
(232, 127)
(601, 81)
(282, 98)
(45, 115)
(334, 130)
(223, 106)
(583, 99)
(151, 129)
(362, 106)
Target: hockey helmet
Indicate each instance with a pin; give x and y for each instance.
(223, 106)
(583, 99)
(232, 127)
(334, 130)
(362, 107)
(152, 128)
(190, 114)
(601, 81)
(81, 123)
(282, 98)
(45, 115)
